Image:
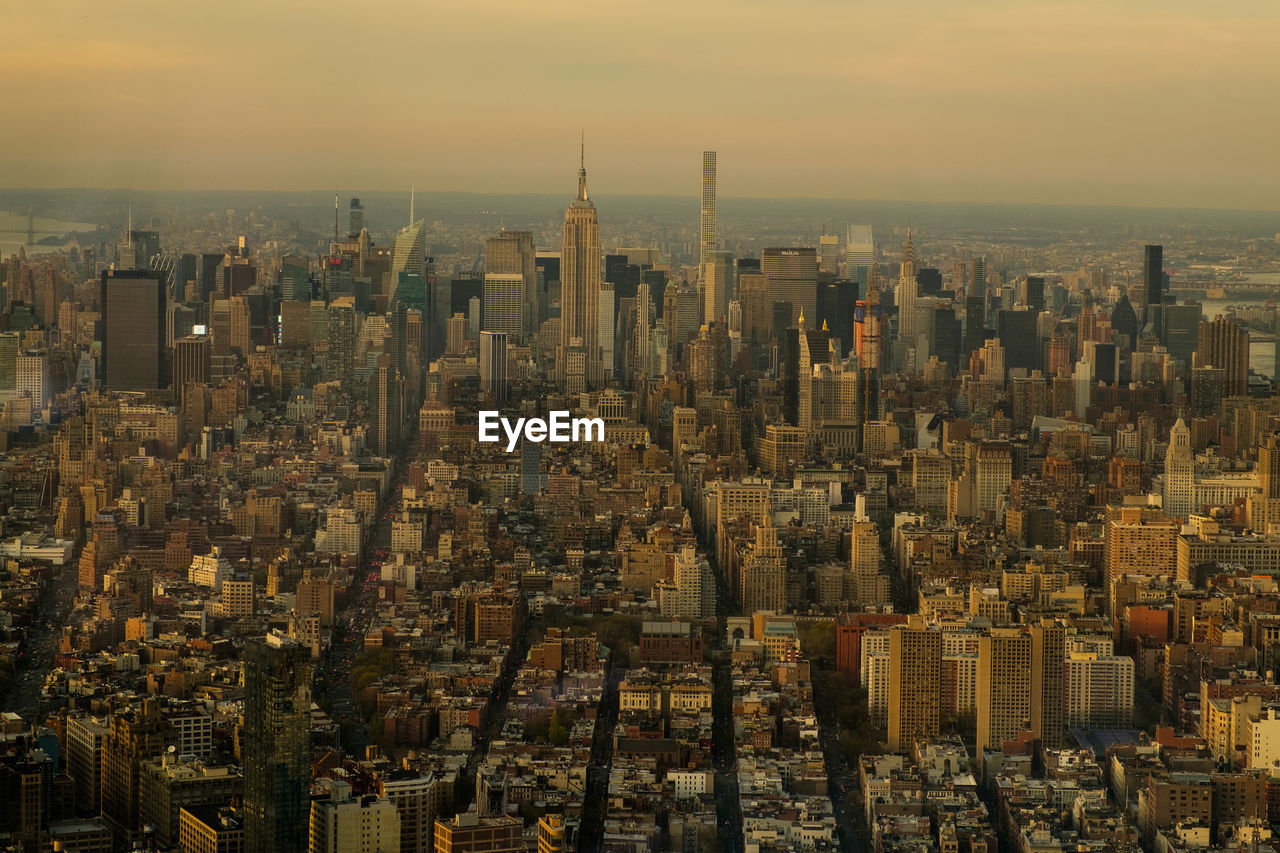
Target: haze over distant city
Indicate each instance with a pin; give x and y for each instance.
(1140, 103)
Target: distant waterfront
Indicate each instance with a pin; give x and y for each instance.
(13, 232)
(1262, 354)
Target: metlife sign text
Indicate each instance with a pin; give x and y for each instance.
(558, 428)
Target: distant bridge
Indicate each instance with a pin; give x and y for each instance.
(32, 231)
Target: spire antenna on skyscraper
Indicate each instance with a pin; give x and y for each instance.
(411, 194)
(582, 168)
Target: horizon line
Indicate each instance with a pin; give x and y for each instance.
(693, 197)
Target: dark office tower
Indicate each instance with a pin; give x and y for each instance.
(1033, 293)
(462, 291)
(1225, 344)
(946, 337)
(781, 319)
(1153, 275)
(510, 254)
(1208, 388)
(178, 323)
(1182, 330)
(133, 325)
(792, 360)
(356, 219)
(614, 266)
(1124, 321)
(493, 365)
(975, 314)
(146, 244)
(184, 275)
(399, 337)
(837, 302)
(657, 281)
(207, 277)
(791, 275)
(276, 745)
(1106, 364)
(1017, 333)
(928, 281)
(236, 275)
(191, 358)
(387, 390)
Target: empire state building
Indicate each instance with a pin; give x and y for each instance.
(578, 358)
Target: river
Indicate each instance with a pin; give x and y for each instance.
(1262, 354)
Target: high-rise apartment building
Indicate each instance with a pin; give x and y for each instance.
(607, 307)
(32, 368)
(277, 744)
(133, 327)
(580, 287)
(418, 798)
(707, 237)
(388, 416)
(1004, 686)
(762, 575)
(1139, 540)
(343, 823)
(1224, 344)
(1048, 697)
(340, 356)
(135, 735)
(1099, 690)
(915, 665)
(85, 739)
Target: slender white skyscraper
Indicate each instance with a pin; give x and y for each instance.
(707, 231)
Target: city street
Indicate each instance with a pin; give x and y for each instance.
(23, 696)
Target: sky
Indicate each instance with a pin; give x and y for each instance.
(1168, 104)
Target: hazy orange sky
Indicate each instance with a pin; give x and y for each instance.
(1136, 102)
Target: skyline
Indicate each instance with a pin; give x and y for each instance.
(1113, 106)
